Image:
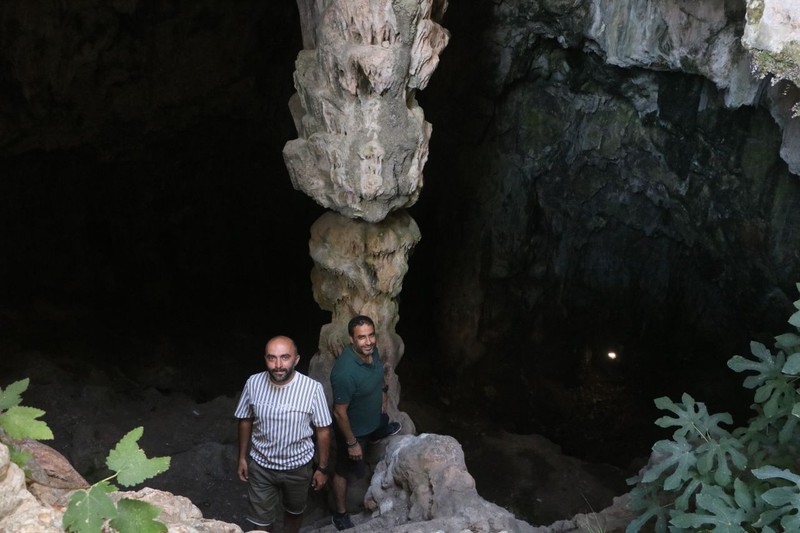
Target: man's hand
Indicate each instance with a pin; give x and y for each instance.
(242, 470)
(354, 452)
(318, 480)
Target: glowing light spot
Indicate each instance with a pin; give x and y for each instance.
(612, 355)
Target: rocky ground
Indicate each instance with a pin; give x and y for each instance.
(91, 402)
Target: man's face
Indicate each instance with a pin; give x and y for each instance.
(281, 357)
(363, 340)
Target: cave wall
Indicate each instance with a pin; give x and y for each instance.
(593, 181)
(615, 182)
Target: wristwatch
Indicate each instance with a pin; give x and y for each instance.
(323, 469)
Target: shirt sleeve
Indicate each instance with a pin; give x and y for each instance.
(244, 409)
(320, 414)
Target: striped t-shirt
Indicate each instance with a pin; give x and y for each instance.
(282, 418)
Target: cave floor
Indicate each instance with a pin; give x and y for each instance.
(97, 382)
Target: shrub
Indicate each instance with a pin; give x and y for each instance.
(709, 478)
(89, 507)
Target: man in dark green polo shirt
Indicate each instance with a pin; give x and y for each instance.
(359, 408)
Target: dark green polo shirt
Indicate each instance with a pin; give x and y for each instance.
(360, 386)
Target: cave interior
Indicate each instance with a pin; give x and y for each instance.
(150, 229)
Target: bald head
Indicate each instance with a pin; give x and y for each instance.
(281, 357)
(281, 344)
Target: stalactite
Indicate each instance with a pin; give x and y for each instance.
(361, 147)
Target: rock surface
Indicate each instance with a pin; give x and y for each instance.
(575, 183)
(609, 195)
(359, 269)
(415, 476)
(423, 480)
(772, 34)
(363, 139)
(420, 484)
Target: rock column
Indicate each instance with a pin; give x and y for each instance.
(361, 147)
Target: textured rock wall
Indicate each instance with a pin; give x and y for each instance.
(593, 176)
(772, 35)
(613, 190)
(361, 148)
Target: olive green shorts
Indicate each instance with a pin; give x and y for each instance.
(267, 487)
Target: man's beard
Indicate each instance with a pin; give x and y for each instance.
(281, 378)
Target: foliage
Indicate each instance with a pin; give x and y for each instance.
(708, 478)
(18, 421)
(88, 509)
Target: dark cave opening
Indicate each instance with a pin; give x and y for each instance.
(183, 300)
(167, 258)
(182, 263)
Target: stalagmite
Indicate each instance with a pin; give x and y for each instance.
(361, 148)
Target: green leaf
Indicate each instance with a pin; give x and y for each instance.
(645, 498)
(716, 456)
(795, 319)
(678, 455)
(692, 420)
(780, 496)
(792, 365)
(771, 472)
(786, 433)
(13, 394)
(788, 342)
(720, 509)
(88, 510)
(18, 457)
(130, 462)
(767, 366)
(743, 496)
(20, 423)
(682, 502)
(782, 397)
(136, 516)
(791, 520)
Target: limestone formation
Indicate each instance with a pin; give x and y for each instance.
(363, 139)
(421, 484)
(423, 481)
(359, 269)
(361, 147)
(719, 40)
(772, 34)
(20, 511)
(699, 37)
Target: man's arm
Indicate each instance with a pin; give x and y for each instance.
(245, 431)
(324, 449)
(343, 421)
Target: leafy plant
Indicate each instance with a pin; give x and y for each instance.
(20, 422)
(708, 478)
(88, 509)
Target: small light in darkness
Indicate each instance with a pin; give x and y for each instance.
(612, 355)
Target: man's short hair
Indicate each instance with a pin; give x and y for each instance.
(359, 320)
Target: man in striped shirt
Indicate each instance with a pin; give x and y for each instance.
(279, 412)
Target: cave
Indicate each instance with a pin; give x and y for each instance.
(573, 207)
